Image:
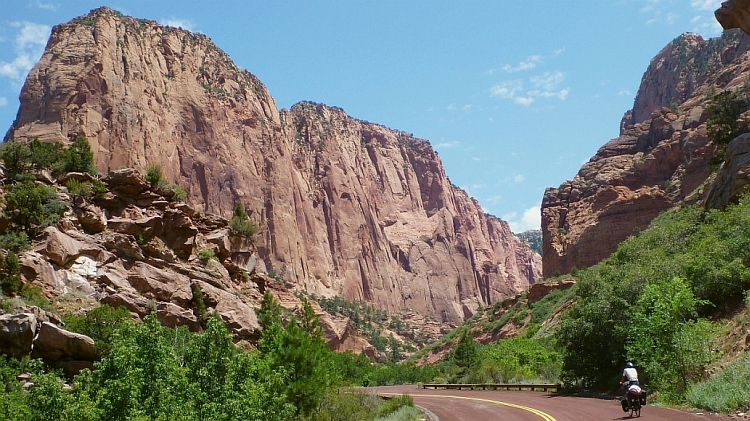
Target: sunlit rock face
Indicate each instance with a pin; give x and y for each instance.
(660, 158)
(345, 207)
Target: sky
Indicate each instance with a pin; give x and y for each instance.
(514, 95)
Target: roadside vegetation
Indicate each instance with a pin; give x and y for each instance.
(663, 300)
(150, 372)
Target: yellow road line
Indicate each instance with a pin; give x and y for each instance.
(545, 416)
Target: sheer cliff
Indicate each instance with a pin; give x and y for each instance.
(346, 207)
(660, 159)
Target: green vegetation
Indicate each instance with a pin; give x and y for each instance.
(652, 302)
(155, 175)
(150, 372)
(242, 224)
(100, 324)
(723, 125)
(726, 391)
(204, 255)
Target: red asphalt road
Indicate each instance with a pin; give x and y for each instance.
(480, 405)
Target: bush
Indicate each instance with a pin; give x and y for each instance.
(31, 207)
(242, 224)
(78, 157)
(79, 189)
(154, 174)
(100, 324)
(15, 240)
(179, 193)
(205, 255)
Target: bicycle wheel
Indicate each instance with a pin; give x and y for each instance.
(631, 409)
(637, 407)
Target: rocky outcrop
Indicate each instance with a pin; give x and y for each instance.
(345, 207)
(660, 158)
(734, 14)
(17, 332)
(24, 334)
(733, 178)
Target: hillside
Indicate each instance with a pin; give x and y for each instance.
(660, 159)
(345, 207)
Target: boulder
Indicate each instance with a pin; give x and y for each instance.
(17, 333)
(239, 317)
(57, 344)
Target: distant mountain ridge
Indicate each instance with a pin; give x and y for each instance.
(345, 207)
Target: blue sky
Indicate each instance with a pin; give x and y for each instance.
(515, 95)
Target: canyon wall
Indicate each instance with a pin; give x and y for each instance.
(660, 159)
(346, 207)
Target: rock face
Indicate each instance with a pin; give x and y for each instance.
(345, 207)
(659, 159)
(733, 178)
(734, 14)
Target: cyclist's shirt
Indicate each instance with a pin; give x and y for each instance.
(631, 374)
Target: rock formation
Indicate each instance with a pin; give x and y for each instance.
(345, 206)
(660, 158)
(734, 14)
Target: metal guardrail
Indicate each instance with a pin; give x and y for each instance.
(493, 386)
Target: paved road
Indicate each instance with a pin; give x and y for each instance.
(466, 405)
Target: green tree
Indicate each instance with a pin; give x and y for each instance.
(242, 224)
(30, 206)
(16, 158)
(465, 353)
(665, 340)
(78, 157)
(723, 125)
(725, 110)
(100, 324)
(45, 155)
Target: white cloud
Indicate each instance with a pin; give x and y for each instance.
(177, 23)
(507, 89)
(548, 81)
(524, 100)
(529, 63)
(625, 92)
(447, 145)
(546, 86)
(45, 6)
(531, 219)
(3, 101)
(30, 42)
(518, 178)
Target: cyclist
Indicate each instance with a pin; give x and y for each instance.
(629, 379)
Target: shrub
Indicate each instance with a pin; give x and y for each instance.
(30, 206)
(199, 305)
(206, 254)
(154, 174)
(726, 391)
(16, 157)
(100, 324)
(242, 224)
(78, 157)
(79, 189)
(45, 155)
(179, 193)
(98, 188)
(14, 240)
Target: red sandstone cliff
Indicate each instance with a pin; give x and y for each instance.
(659, 159)
(346, 207)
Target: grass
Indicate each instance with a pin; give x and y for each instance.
(726, 391)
